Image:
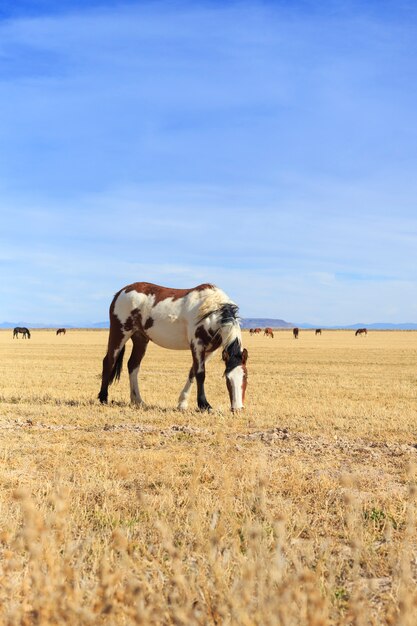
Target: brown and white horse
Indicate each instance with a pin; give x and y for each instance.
(202, 319)
(269, 332)
(295, 332)
(361, 331)
(61, 331)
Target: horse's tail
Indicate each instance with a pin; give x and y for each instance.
(117, 369)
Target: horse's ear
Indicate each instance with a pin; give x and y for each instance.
(225, 355)
(244, 356)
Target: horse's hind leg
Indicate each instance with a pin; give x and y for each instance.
(117, 340)
(185, 393)
(140, 343)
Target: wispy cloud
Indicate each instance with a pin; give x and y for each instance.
(267, 146)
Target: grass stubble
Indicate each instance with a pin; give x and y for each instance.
(299, 510)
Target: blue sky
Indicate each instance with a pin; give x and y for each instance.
(269, 147)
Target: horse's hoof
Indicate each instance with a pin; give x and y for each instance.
(206, 407)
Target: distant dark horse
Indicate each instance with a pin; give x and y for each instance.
(361, 331)
(61, 331)
(318, 331)
(295, 332)
(269, 332)
(21, 329)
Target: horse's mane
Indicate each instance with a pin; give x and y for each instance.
(228, 315)
(227, 311)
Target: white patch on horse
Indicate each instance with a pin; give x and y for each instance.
(235, 378)
(169, 328)
(127, 302)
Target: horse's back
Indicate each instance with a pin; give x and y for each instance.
(162, 302)
(166, 316)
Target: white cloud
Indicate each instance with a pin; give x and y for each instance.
(257, 146)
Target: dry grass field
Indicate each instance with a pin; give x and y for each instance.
(298, 511)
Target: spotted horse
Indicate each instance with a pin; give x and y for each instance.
(202, 319)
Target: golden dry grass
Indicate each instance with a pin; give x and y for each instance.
(300, 510)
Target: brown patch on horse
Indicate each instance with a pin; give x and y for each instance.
(209, 339)
(162, 293)
(148, 323)
(116, 325)
(134, 321)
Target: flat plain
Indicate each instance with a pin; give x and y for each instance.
(298, 510)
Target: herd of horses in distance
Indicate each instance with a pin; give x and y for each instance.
(202, 319)
(268, 332)
(25, 332)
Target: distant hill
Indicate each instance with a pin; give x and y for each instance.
(41, 325)
(384, 326)
(261, 322)
(374, 326)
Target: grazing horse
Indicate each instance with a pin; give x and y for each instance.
(255, 331)
(61, 331)
(202, 319)
(295, 332)
(23, 330)
(269, 332)
(361, 331)
(318, 331)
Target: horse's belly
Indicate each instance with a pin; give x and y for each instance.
(167, 334)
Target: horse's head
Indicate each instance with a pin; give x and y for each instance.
(236, 374)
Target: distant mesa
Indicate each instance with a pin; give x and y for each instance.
(256, 322)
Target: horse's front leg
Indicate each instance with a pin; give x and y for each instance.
(199, 357)
(185, 393)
